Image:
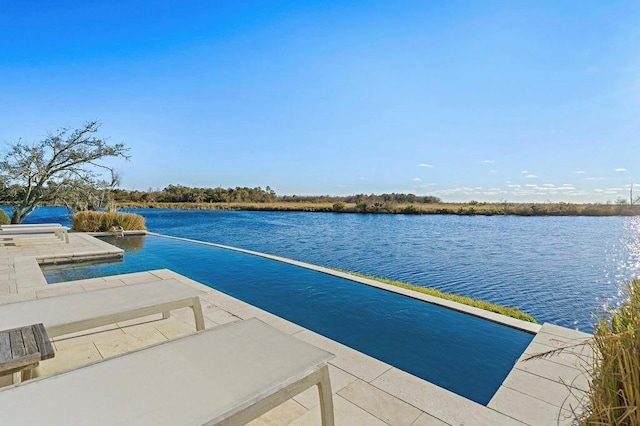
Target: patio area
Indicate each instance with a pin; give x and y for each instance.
(366, 391)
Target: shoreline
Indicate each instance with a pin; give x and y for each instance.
(458, 209)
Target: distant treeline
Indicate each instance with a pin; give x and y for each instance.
(258, 199)
(460, 209)
(185, 194)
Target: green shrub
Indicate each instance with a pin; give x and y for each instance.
(338, 207)
(362, 206)
(91, 221)
(4, 218)
(411, 209)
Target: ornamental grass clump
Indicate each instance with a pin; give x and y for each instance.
(614, 395)
(4, 218)
(92, 221)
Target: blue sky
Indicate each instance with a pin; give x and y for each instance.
(487, 100)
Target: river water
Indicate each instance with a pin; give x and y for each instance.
(563, 270)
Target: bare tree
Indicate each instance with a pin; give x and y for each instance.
(41, 171)
(85, 194)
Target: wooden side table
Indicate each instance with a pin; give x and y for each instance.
(21, 349)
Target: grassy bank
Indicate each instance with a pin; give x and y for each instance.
(466, 209)
(481, 304)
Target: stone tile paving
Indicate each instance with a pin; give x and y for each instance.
(366, 391)
(551, 385)
(19, 264)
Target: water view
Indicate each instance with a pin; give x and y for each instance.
(560, 269)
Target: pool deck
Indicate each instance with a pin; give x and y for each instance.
(366, 391)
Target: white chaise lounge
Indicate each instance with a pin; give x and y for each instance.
(30, 225)
(82, 311)
(32, 233)
(227, 375)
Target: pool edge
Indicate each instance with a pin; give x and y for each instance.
(466, 309)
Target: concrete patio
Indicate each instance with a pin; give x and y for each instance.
(366, 391)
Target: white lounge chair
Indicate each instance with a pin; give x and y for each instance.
(31, 225)
(82, 311)
(227, 375)
(20, 233)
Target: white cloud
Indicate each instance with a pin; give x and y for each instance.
(621, 169)
(531, 176)
(549, 185)
(465, 190)
(531, 185)
(425, 165)
(488, 161)
(580, 172)
(594, 178)
(362, 178)
(417, 179)
(524, 172)
(514, 186)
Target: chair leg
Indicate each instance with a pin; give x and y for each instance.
(197, 314)
(27, 374)
(326, 397)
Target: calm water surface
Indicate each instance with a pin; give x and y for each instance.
(560, 269)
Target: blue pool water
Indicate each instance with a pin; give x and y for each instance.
(459, 352)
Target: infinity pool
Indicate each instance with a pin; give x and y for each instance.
(459, 352)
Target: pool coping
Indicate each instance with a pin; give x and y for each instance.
(23, 270)
(533, 393)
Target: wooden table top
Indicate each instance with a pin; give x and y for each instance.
(22, 347)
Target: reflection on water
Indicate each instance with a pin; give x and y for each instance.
(625, 255)
(129, 243)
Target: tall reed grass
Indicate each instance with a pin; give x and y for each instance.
(614, 395)
(92, 221)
